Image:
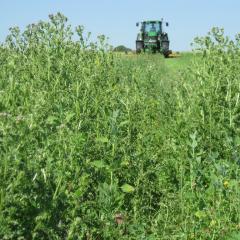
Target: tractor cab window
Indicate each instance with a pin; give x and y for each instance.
(152, 27)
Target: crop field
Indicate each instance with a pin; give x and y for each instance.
(95, 145)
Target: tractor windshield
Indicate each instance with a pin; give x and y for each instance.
(152, 27)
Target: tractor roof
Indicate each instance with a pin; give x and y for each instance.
(152, 21)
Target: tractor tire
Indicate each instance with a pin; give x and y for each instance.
(139, 46)
(167, 53)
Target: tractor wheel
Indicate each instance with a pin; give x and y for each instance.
(139, 46)
(166, 55)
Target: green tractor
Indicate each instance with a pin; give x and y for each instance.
(152, 38)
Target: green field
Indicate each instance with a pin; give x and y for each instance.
(96, 145)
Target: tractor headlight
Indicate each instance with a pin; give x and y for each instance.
(139, 37)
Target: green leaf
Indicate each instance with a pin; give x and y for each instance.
(98, 164)
(200, 214)
(79, 193)
(102, 140)
(123, 123)
(127, 188)
(51, 120)
(69, 116)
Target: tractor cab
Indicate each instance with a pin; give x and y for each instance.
(152, 27)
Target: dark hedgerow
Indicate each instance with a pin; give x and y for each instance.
(94, 145)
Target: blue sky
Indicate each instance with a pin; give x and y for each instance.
(116, 18)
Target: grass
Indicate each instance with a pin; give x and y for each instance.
(99, 146)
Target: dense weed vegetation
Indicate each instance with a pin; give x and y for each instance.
(94, 146)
